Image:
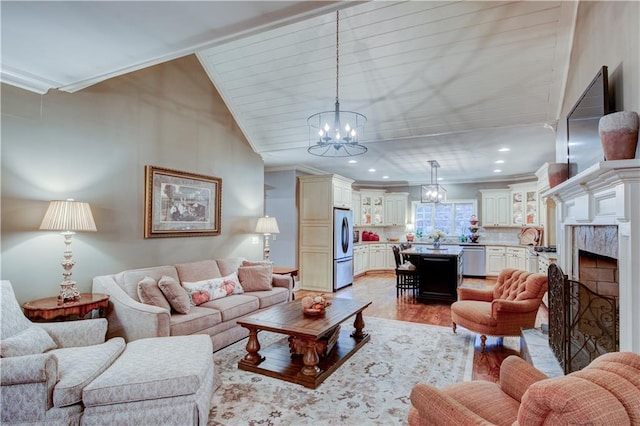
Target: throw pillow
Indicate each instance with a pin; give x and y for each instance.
(31, 341)
(229, 265)
(150, 294)
(198, 271)
(255, 278)
(175, 294)
(214, 288)
(257, 263)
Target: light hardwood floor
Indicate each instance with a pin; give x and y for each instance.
(380, 289)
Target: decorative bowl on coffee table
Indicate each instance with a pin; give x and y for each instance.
(313, 312)
(314, 305)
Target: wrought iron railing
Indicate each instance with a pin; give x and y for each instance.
(582, 324)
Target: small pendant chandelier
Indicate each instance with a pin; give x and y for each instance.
(336, 140)
(433, 193)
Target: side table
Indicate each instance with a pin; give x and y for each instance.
(287, 271)
(50, 308)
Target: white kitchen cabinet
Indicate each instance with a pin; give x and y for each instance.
(377, 256)
(543, 264)
(318, 195)
(546, 208)
(372, 211)
(516, 257)
(395, 209)
(391, 260)
(356, 201)
(342, 193)
(495, 207)
(523, 205)
(495, 258)
(360, 259)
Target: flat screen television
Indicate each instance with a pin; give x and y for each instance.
(583, 140)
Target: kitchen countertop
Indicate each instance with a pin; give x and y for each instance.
(453, 243)
(547, 254)
(448, 251)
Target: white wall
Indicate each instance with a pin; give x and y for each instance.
(607, 33)
(92, 146)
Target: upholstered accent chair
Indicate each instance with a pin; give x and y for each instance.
(606, 392)
(512, 304)
(45, 367)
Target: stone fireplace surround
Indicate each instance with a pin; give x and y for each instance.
(607, 193)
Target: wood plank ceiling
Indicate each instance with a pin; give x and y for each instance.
(450, 81)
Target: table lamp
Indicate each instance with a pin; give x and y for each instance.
(68, 216)
(267, 226)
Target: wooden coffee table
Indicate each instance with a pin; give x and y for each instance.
(283, 360)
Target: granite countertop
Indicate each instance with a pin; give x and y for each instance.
(448, 251)
(448, 244)
(546, 254)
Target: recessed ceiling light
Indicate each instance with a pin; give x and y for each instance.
(440, 178)
(372, 170)
(353, 161)
(499, 161)
(497, 171)
(504, 149)
(385, 177)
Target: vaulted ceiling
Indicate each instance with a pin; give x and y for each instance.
(446, 81)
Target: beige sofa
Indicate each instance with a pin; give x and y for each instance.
(131, 319)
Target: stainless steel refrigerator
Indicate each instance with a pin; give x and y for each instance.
(342, 248)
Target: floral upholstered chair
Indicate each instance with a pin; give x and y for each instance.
(503, 310)
(45, 367)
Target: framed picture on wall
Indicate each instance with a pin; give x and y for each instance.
(181, 204)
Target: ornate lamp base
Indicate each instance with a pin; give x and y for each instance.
(68, 292)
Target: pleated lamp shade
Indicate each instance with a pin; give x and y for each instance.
(68, 215)
(267, 225)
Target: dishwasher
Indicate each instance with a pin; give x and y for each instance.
(473, 262)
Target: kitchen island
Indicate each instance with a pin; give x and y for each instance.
(439, 271)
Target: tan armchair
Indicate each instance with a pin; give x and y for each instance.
(503, 310)
(606, 392)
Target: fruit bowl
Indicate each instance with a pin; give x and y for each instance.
(313, 312)
(314, 305)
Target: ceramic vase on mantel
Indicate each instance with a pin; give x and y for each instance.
(619, 135)
(557, 173)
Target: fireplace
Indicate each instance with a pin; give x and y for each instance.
(584, 312)
(598, 226)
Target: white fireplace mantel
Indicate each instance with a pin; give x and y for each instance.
(607, 193)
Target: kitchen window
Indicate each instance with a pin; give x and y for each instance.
(451, 217)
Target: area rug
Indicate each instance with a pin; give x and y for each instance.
(372, 387)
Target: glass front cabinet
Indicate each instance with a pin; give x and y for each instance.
(524, 205)
(372, 207)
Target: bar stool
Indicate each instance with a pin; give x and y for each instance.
(406, 277)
